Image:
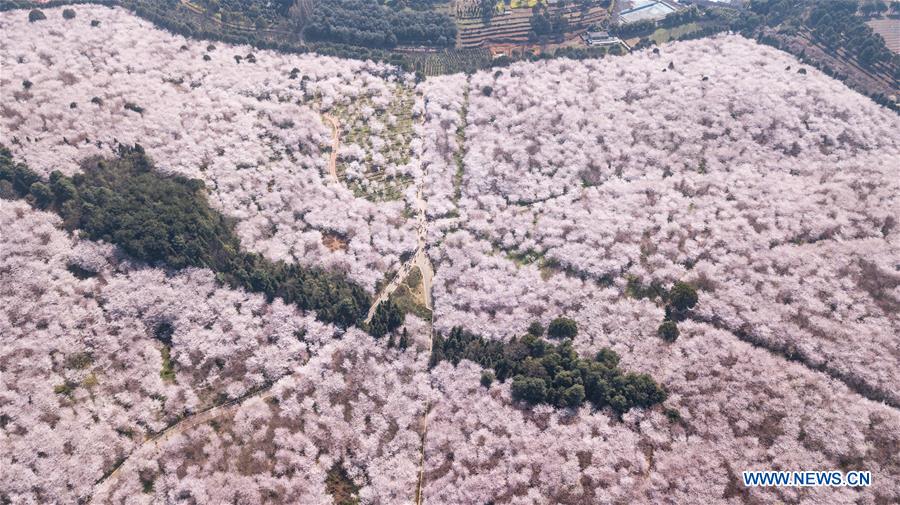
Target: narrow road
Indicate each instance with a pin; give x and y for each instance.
(335, 145)
(419, 259)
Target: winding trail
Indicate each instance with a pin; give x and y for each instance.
(152, 444)
(335, 145)
(419, 259)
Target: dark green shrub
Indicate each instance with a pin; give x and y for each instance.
(36, 15)
(387, 318)
(536, 329)
(562, 327)
(404, 340)
(682, 296)
(673, 415)
(529, 389)
(487, 378)
(573, 396)
(668, 331)
(163, 332)
(134, 107)
(40, 195)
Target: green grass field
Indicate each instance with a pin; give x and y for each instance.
(410, 296)
(666, 34)
(516, 4)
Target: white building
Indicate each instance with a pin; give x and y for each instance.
(646, 10)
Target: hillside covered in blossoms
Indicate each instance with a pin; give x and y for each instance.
(232, 275)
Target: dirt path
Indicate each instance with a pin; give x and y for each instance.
(420, 485)
(335, 145)
(152, 444)
(420, 260)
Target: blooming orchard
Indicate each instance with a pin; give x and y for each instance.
(354, 403)
(252, 130)
(582, 189)
(438, 145)
(776, 192)
(82, 382)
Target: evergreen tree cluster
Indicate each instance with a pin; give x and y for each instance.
(168, 221)
(543, 372)
(387, 318)
(835, 24)
(545, 24)
(369, 23)
(679, 301)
